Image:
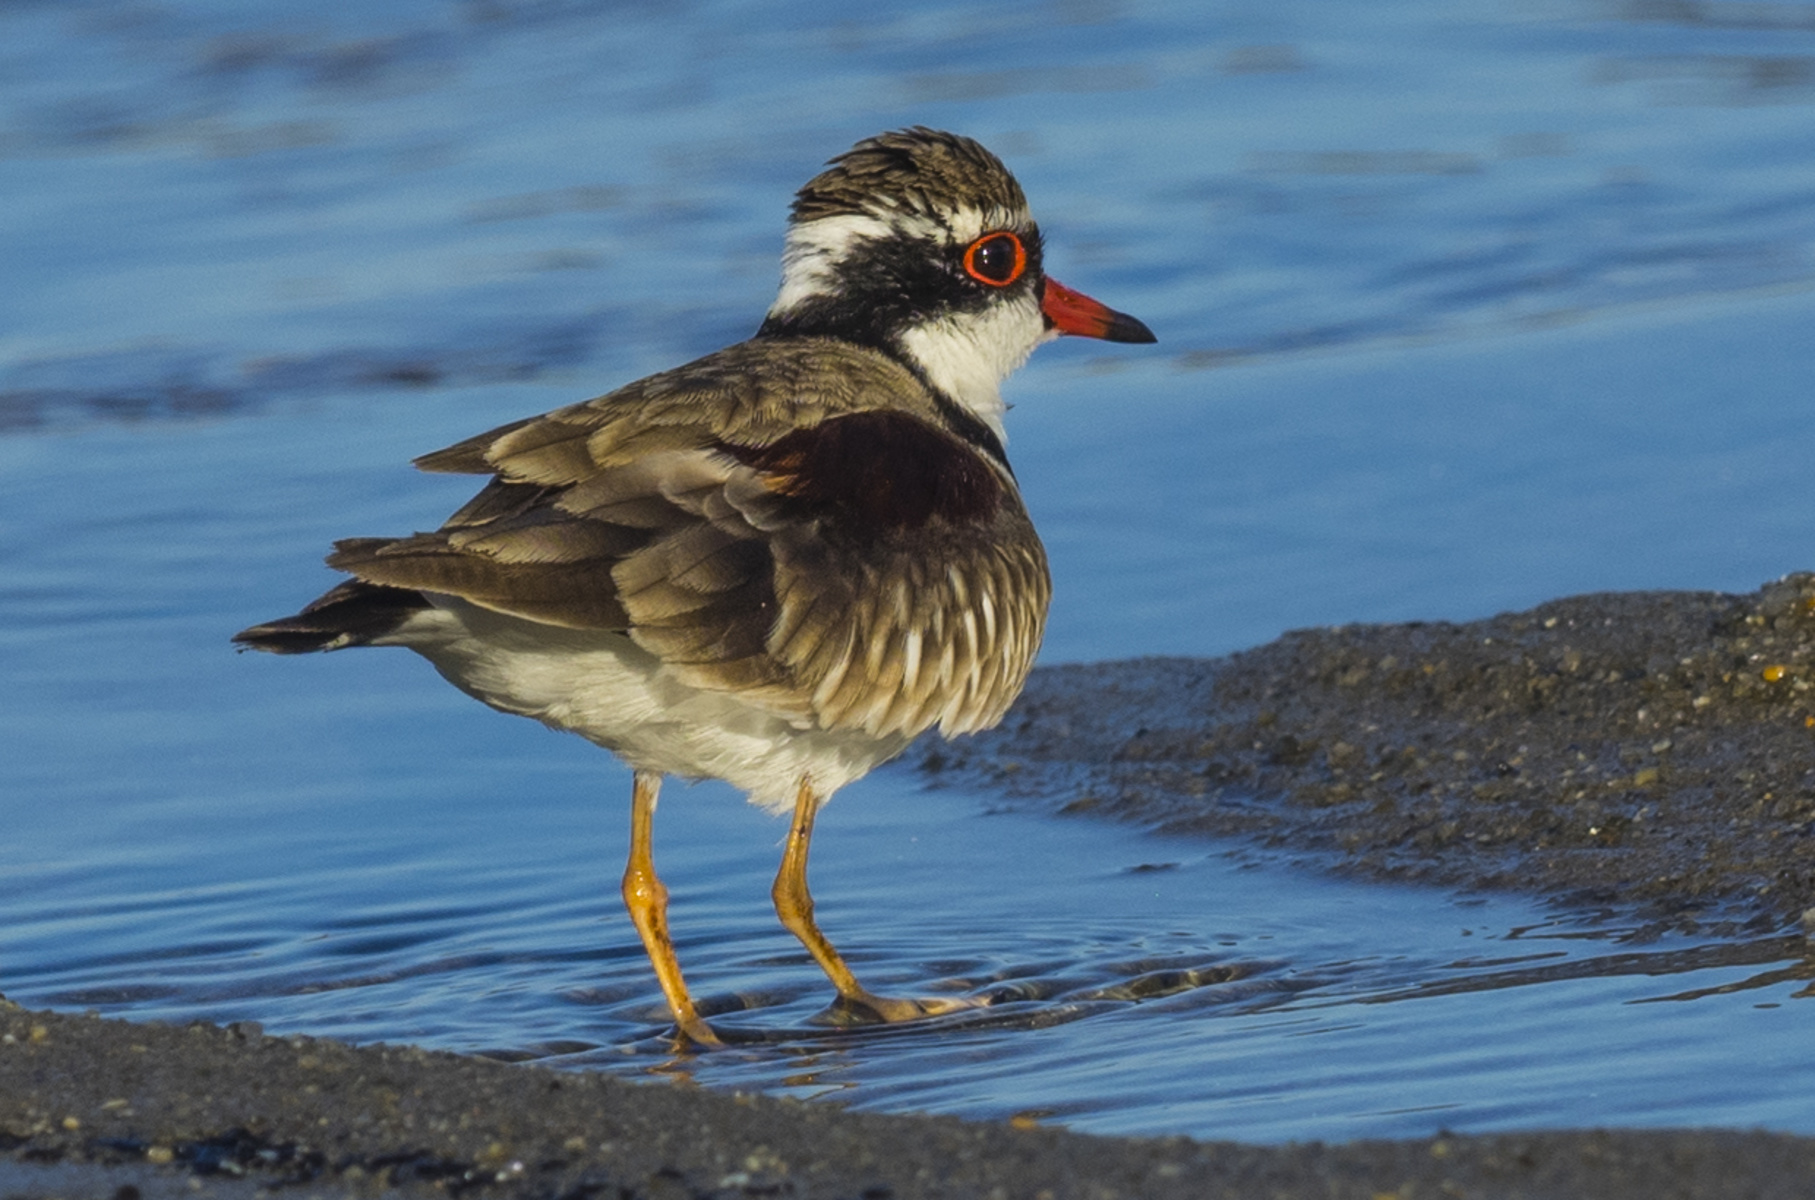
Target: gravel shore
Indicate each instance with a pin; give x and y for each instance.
(92, 1107)
(1653, 751)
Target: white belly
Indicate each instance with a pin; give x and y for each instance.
(605, 688)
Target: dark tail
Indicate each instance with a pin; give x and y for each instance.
(351, 615)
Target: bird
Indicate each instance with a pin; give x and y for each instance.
(775, 565)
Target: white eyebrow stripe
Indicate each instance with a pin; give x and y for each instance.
(965, 355)
(814, 249)
(810, 259)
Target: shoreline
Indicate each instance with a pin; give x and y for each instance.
(96, 1107)
(1645, 750)
(1651, 750)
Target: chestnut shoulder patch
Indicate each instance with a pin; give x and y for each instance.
(885, 470)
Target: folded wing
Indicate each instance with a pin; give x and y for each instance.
(777, 533)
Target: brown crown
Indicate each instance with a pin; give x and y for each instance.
(921, 170)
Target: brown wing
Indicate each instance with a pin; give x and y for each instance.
(764, 527)
(911, 587)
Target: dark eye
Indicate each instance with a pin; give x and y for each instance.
(997, 259)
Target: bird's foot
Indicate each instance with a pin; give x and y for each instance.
(698, 1035)
(867, 1008)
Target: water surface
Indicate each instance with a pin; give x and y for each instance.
(1458, 312)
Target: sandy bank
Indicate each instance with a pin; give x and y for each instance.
(1654, 750)
(94, 1107)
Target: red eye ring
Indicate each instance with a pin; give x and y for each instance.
(996, 259)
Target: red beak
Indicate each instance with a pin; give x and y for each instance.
(1074, 312)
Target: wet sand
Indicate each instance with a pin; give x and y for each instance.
(1653, 752)
(92, 1107)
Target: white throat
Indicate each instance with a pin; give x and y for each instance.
(968, 355)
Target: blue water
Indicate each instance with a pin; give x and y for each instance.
(1458, 312)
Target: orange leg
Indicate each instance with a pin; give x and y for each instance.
(647, 900)
(794, 905)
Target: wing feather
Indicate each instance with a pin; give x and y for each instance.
(790, 520)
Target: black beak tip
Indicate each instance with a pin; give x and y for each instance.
(1127, 329)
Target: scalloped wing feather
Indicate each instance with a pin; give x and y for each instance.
(806, 534)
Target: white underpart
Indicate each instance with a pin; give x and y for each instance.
(965, 355)
(608, 690)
